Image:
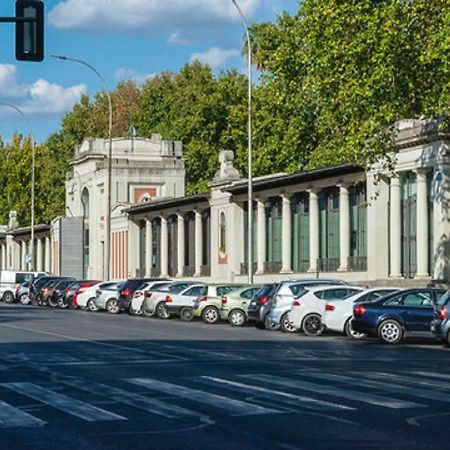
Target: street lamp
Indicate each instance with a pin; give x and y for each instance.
(106, 274)
(250, 155)
(15, 108)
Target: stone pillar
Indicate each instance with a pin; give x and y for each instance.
(149, 248)
(180, 244)
(422, 224)
(344, 227)
(198, 244)
(286, 235)
(395, 228)
(23, 252)
(164, 249)
(313, 230)
(39, 267)
(4, 257)
(261, 229)
(47, 255)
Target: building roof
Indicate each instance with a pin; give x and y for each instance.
(262, 183)
(166, 203)
(42, 228)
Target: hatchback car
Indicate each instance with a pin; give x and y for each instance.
(182, 304)
(440, 325)
(106, 297)
(128, 289)
(235, 305)
(402, 314)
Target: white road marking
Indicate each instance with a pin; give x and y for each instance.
(218, 401)
(363, 397)
(411, 380)
(62, 402)
(298, 400)
(14, 417)
(433, 374)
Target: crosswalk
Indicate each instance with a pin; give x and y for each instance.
(203, 398)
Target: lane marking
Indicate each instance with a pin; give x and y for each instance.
(334, 391)
(433, 374)
(62, 402)
(14, 417)
(218, 401)
(411, 380)
(298, 400)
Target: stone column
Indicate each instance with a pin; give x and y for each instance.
(395, 228)
(180, 245)
(4, 257)
(148, 247)
(47, 255)
(164, 249)
(344, 227)
(23, 265)
(422, 224)
(39, 255)
(261, 229)
(286, 235)
(313, 230)
(198, 244)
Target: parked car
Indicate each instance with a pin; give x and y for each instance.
(145, 292)
(259, 307)
(399, 315)
(107, 297)
(309, 306)
(44, 296)
(209, 302)
(10, 280)
(23, 293)
(74, 289)
(182, 304)
(234, 305)
(57, 291)
(37, 284)
(155, 299)
(440, 325)
(128, 289)
(338, 315)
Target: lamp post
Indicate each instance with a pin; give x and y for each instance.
(15, 108)
(250, 155)
(106, 274)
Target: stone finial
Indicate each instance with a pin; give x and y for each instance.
(13, 224)
(227, 171)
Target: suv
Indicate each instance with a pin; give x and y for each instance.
(440, 325)
(208, 304)
(128, 289)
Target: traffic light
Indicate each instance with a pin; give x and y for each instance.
(29, 33)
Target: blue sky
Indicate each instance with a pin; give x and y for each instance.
(123, 39)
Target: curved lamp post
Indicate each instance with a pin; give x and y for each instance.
(106, 274)
(15, 108)
(250, 155)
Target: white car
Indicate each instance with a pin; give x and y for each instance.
(182, 304)
(338, 314)
(106, 298)
(308, 308)
(144, 292)
(86, 299)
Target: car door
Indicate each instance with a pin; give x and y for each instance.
(417, 310)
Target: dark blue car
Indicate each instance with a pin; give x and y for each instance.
(405, 313)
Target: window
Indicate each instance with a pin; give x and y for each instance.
(296, 289)
(222, 235)
(222, 290)
(418, 299)
(358, 221)
(274, 230)
(177, 288)
(300, 233)
(333, 294)
(249, 293)
(23, 277)
(196, 291)
(329, 224)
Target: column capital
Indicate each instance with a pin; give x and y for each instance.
(287, 195)
(313, 192)
(344, 185)
(422, 173)
(395, 180)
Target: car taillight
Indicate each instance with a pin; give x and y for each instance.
(443, 312)
(263, 300)
(330, 308)
(203, 298)
(296, 303)
(359, 310)
(168, 299)
(126, 292)
(224, 300)
(147, 294)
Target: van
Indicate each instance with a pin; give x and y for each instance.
(10, 280)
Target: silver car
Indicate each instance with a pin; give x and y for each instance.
(106, 298)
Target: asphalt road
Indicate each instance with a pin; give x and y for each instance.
(78, 380)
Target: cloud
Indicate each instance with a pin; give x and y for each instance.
(215, 57)
(136, 15)
(40, 97)
(123, 74)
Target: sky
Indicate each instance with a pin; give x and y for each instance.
(122, 39)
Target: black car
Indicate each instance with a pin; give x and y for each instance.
(38, 284)
(128, 289)
(259, 306)
(59, 291)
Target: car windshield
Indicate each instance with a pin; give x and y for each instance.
(444, 299)
(265, 290)
(177, 288)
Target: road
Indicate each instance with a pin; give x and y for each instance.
(79, 380)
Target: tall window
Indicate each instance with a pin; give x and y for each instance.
(431, 262)
(329, 226)
(222, 235)
(156, 246)
(142, 246)
(409, 225)
(274, 230)
(85, 203)
(300, 233)
(358, 227)
(172, 230)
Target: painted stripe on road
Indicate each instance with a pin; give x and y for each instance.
(433, 374)
(218, 401)
(335, 391)
(298, 400)
(66, 404)
(411, 380)
(151, 405)
(14, 417)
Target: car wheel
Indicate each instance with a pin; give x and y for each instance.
(186, 314)
(237, 318)
(8, 297)
(390, 332)
(91, 305)
(134, 312)
(52, 302)
(112, 306)
(161, 311)
(286, 325)
(146, 312)
(350, 332)
(312, 325)
(210, 315)
(270, 325)
(24, 299)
